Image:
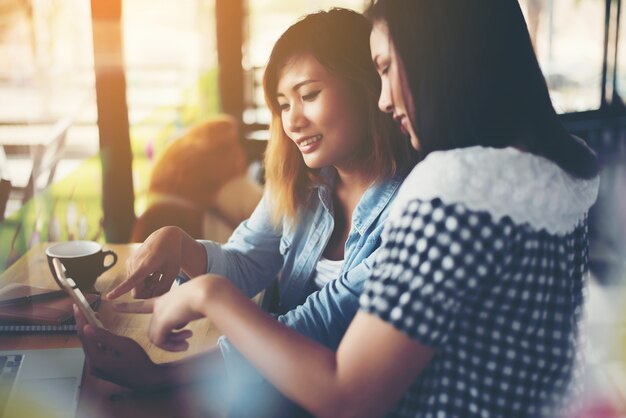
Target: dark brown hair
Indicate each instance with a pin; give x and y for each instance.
(475, 80)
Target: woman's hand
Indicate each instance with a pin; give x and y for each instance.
(118, 359)
(173, 311)
(153, 267)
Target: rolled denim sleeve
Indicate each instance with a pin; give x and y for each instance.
(326, 314)
(324, 317)
(251, 258)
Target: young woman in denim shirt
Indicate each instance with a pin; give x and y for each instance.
(334, 164)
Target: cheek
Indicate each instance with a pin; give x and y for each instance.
(415, 143)
(396, 95)
(353, 128)
(346, 110)
(284, 122)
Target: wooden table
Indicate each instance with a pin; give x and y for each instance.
(102, 399)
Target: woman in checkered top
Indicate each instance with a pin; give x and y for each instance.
(474, 304)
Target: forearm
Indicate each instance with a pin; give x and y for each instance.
(194, 257)
(275, 350)
(325, 315)
(201, 368)
(251, 267)
(251, 258)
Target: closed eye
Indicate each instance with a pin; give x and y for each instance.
(311, 96)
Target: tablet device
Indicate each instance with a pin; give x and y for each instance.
(79, 299)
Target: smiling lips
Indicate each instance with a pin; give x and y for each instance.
(306, 144)
(400, 120)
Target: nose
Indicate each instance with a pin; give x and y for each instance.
(385, 104)
(296, 119)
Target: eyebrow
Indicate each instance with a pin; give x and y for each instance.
(298, 85)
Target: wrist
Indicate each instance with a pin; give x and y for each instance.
(171, 374)
(165, 376)
(155, 377)
(193, 256)
(207, 295)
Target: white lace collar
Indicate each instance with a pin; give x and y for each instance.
(504, 182)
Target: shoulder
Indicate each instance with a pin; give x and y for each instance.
(374, 206)
(502, 183)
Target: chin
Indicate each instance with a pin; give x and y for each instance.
(313, 163)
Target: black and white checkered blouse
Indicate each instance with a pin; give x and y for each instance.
(484, 259)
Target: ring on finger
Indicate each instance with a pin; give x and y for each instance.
(152, 278)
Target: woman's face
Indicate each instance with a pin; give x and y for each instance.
(319, 114)
(395, 95)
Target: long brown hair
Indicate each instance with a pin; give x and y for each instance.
(339, 40)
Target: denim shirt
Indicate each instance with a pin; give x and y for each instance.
(258, 250)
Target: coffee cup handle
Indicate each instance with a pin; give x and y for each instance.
(112, 253)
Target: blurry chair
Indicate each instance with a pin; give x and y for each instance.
(46, 158)
(199, 183)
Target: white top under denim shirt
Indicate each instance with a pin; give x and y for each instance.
(258, 250)
(326, 271)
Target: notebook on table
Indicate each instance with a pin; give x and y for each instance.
(32, 310)
(40, 382)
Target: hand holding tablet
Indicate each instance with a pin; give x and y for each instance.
(79, 299)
